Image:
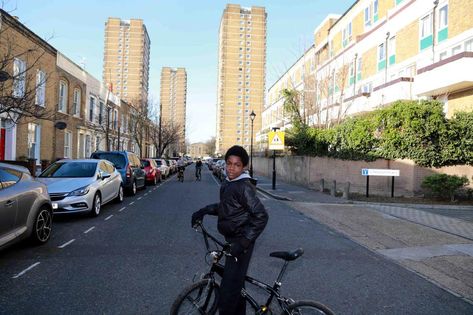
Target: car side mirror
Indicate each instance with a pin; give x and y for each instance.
(105, 175)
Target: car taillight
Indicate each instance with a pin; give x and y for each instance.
(128, 170)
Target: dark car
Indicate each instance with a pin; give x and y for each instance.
(25, 207)
(128, 165)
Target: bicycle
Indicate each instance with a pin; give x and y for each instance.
(180, 174)
(198, 173)
(202, 296)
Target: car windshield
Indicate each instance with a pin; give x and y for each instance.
(117, 159)
(159, 163)
(70, 169)
(145, 163)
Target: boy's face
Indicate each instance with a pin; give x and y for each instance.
(234, 167)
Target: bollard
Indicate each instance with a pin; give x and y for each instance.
(322, 185)
(32, 166)
(346, 191)
(333, 192)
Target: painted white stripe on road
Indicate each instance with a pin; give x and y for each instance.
(107, 218)
(121, 209)
(26, 270)
(67, 243)
(146, 194)
(89, 230)
(131, 203)
(218, 184)
(139, 198)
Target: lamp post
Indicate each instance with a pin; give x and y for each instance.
(252, 117)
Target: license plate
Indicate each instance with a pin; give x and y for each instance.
(55, 206)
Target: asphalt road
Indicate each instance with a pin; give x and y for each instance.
(136, 257)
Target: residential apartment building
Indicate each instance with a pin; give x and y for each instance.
(381, 51)
(198, 150)
(173, 97)
(241, 74)
(126, 59)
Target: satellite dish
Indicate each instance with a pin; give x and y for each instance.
(60, 125)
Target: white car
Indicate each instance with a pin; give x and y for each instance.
(163, 167)
(82, 185)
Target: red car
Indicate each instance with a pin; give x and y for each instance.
(153, 174)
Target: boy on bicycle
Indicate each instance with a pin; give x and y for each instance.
(241, 219)
(198, 169)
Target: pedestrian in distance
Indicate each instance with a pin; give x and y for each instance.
(198, 169)
(241, 219)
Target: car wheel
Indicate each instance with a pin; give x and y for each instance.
(155, 181)
(120, 194)
(42, 226)
(97, 205)
(133, 188)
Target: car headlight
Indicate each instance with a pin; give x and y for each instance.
(80, 192)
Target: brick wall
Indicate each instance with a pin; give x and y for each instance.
(308, 171)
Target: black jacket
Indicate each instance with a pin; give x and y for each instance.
(240, 212)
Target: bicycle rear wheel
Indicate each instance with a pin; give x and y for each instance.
(307, 307)
(199, 298)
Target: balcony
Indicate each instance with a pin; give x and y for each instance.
(446, 76)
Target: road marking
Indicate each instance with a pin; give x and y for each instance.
(89, 230)
(131, 203)
(139, 198)
(121, 209)
(67, 243)
(215, 181)
(26, 270)
(146, 194)
(108, 217)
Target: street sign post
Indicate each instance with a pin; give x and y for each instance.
(275, 142)
(379, 172)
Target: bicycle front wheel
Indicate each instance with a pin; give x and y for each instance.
(199, 298)
(307, 307)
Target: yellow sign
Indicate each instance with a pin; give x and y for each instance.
(276, 140)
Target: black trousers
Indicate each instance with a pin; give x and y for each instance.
(231, 302)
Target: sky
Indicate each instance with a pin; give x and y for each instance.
(183, 33)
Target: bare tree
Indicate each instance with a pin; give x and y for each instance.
(341, 82)
(22, 85)
(210, 145)
(171, 133)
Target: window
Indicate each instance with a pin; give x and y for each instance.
(456, 50)
(9, 177)
(375, 11)
(368, 16)
(358, 69)
(67, 144)
(101, 107)
(469, 45)
(381, 57)
(426, 32)
(392, 50)
(76, 102)
(97, 143)
(40, 88)
(34, 136)
(443, 21)
(87, 146)
(19, 77)
(443, 55)
(346, 35)
(62, 104)
(91, 108)
(115, 119)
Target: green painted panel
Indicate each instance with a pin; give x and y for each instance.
(443, 34)
(398, 1)
(426, 42)
(375, 18)
(352, 80)
(392, 59)
(358, 77)
(381, 65)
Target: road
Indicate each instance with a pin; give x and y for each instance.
(136, 257)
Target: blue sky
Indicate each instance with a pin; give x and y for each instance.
(183, 33)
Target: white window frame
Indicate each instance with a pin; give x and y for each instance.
(62, 103)
(375, 7)
(381, 52)
(34, 141)
(427, 22)
(92, 102)
(40, 88)
(67, 144)
(392, 46)
(19, 77)
(443, 17)
(367, 16)
(76, 98)
(88, 145)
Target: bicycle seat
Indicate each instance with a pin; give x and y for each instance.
(288, 256)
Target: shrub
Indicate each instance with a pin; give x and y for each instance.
(443, 185)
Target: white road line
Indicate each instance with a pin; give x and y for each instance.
(121, 209)
(218, 184)
(107, 218)
(131, 203)
(139, 198)
(89, 230)
(65, 244)
(26, 270)
(146, 194)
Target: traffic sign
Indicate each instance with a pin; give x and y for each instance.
(276, 140)
(379, 172)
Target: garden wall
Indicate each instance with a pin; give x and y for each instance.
(308, 171)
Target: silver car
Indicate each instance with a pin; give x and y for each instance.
(82, 185)
(25, 207)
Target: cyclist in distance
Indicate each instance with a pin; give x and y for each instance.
(241, 219)
(198, 168)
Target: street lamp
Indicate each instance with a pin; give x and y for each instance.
(252, 117)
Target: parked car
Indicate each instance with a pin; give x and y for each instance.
(128, 165)
(172, 169)
(25, 207)
(174, 163)
(211, 163)
(163, 166)
(82, 185)
(153, 173)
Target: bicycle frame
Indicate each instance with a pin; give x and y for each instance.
(218, 268)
